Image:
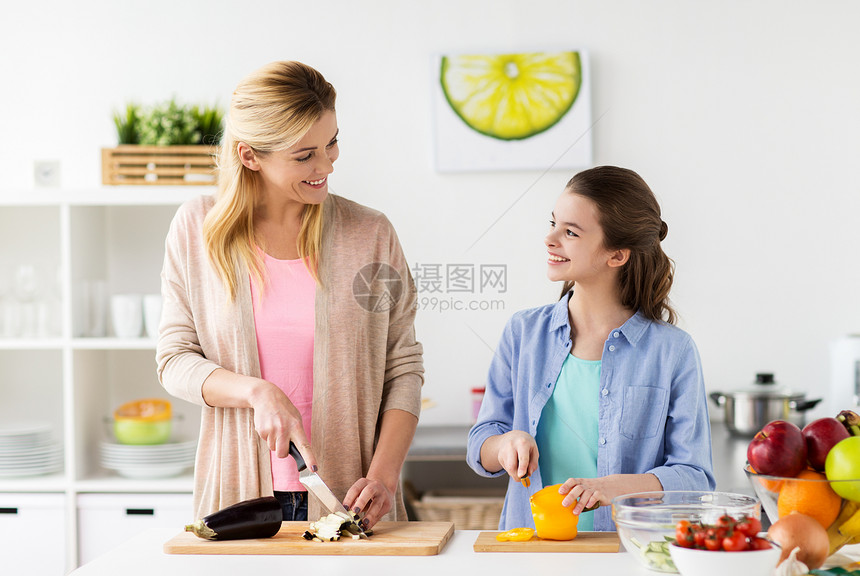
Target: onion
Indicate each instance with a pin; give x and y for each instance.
(804, 532)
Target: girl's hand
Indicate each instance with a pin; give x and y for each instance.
(586, 491)
(278, 421)
(370, 498)
(518, 453)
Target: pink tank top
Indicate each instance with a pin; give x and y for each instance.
(284, 322)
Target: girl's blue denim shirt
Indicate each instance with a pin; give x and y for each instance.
(653, 412)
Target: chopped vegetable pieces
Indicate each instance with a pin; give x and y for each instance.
(516, 535)
(331, 527)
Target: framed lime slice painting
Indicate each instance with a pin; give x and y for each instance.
(512, 111)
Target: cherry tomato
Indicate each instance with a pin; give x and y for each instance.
(725, 521)
(684, 534)
(756, 543)
(736, 542)
(712, 541)
(699, 533)
(749, 526)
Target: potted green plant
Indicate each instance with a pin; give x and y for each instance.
(169, 124)
(166, 143)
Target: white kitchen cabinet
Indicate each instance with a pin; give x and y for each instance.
(57, 364)
(107, 520)
(31, 529)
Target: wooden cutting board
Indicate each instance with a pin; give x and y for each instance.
(584, 542)
(389, 539)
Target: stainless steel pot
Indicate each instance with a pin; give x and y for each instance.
(747, 411)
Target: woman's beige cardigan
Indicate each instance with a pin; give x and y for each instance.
(365, 362)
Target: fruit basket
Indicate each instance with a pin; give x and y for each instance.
(811, 493)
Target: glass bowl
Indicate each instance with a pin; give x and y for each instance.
(811, 495)
(646, 521)
(694, 562)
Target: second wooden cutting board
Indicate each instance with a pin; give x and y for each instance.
(584, 542)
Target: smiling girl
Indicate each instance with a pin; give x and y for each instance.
(599, 392)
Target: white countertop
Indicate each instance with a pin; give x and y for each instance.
(143, 555)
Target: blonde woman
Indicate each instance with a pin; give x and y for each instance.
(288, 314)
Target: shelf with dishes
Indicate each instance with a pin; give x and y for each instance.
(29, 448)
(33, 459)
(66, 360)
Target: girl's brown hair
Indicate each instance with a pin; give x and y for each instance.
(270, 111)
(629, 216)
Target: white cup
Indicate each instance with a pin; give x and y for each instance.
(127, 315)
(96, 318)
(11, 325)
(151, 314)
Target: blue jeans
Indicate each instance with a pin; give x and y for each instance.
(294, 505)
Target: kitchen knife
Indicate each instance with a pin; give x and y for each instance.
(315, 485)
(527, 483)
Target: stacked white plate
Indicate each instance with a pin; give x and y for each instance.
(29, 449)
(155, 461)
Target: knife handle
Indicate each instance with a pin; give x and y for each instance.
(294, 452)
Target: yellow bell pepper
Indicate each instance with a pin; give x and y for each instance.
(552, 520)
(516, 535)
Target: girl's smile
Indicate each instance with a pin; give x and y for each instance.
(555, 259)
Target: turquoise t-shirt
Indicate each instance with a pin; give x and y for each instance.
(567, 430)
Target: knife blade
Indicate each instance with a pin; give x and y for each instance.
(315, 484)
(527, 484)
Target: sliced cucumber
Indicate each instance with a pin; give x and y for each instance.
(657, 556)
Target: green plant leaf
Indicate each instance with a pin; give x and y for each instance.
(169, 124)
(127, 125)
(210, 123)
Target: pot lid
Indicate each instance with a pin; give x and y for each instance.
(765, 386)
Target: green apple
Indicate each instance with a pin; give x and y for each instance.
(843, 463)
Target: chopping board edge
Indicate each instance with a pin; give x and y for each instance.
(586, 542)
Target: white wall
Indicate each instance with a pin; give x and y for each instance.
(741, 115)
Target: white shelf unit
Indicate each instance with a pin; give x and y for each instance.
(115, 235)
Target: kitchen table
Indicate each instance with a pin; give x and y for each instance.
(142, 555)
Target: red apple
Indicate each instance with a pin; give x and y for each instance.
(821, 435)
(778, 450)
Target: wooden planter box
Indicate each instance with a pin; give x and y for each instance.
(159, 165)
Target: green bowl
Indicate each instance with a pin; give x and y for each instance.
(142, 433)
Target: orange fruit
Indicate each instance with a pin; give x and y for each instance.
(769, 485)
(809, 494)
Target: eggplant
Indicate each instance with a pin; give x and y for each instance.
(255, 518)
